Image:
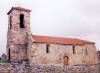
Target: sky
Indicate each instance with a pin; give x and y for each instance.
(62, 18)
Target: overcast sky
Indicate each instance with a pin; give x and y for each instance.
(63, 18)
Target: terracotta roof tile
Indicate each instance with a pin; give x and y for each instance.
(59, 40)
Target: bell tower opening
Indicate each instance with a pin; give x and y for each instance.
(22, 21)
(10, 22)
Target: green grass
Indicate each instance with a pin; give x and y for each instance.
(4, 61)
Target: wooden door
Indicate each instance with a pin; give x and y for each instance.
(66, 60)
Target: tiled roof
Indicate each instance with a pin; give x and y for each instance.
(18, 8)
(59, 40)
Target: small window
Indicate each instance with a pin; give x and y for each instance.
(10, 22)
(86, 52)
(47, 48)
(22, 21)
(73, 47)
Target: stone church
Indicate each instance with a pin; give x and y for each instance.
(47, 50)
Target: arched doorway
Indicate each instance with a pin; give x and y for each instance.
(65, 60)
(9, 56)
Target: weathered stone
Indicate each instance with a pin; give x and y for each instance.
(21, 68)
(37, 54)
(17, 37)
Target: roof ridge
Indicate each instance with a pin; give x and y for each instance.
(53, 36)
(62, 40)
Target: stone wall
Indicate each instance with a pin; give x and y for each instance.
(57, 52)
(98, 55)
(23, 68)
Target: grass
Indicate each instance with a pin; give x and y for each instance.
(4, 61)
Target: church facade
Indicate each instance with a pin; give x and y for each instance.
(37, 49)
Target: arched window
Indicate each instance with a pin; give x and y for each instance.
(22, 21)
(10, 22)
(86, 52)
(47, 48)
(73, 47)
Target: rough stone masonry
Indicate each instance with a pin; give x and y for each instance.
(29, 53)
(38, 49)
(24, 68)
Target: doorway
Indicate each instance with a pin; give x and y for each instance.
(65, 60)
(9, 56)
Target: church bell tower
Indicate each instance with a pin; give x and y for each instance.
(17, 36)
